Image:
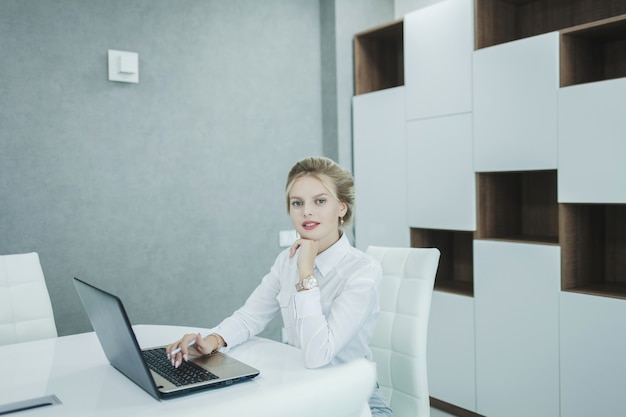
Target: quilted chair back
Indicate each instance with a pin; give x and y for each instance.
(399, 340)
(25, 308)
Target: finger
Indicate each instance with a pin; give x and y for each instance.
(171, 347)
(200, 346)
(184, 350)
(184, 344)
(177, 360)
(294, 248)
(193, 351)
(197, 349)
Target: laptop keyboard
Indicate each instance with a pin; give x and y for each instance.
(187, 373)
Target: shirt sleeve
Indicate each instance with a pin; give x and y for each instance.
(321, 337)
(258, 310)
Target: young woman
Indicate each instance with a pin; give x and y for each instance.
(325, 289)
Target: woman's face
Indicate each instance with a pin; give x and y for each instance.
(314, 211)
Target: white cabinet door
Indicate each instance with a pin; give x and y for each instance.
(593, 363)
(515, 105)
(592, 143)
(451, 354)
(380, 169)
(441, 179)
(438, 47)
(516, 294)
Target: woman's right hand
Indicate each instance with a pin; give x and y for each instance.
(306, 258)
(201, 347)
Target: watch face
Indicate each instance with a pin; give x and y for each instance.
(310, 282)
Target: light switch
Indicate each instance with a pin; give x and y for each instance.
(123, 66)
(127, 63)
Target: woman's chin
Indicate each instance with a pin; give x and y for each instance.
(306, 235)
(309, 234)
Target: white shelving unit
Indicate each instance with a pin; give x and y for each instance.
(380, 172)
(518, 176)
(438, 45)
(516, 294)
(441, 179)
(515, 105)
(451, 353)
(592, 355)
(592, 144)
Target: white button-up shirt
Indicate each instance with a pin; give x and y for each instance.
(332, 324)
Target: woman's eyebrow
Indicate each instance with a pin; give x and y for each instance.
(295, 197)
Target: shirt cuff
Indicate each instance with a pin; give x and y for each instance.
(307, 303)
(231, 336)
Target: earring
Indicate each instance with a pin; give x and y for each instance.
(341, 221)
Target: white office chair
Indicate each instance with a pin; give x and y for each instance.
(25, 308)
(339, 391)
(399, 340)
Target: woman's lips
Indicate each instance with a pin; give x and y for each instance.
(310, 225)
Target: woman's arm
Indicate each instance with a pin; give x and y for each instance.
(250, 319)
(259, 309)
(322, 337)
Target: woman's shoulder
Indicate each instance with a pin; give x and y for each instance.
(359, 254)
(362, 261)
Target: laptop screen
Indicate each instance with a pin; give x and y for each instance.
(111, 324)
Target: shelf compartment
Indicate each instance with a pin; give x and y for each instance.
(499, 21)
(379, 58)
(593, 246)
(594, 52)
(456, 271)
(518, 206)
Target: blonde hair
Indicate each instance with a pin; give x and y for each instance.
(336, 179)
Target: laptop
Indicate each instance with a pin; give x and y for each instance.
(161, 380)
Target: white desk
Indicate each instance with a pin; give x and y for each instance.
(75, 369)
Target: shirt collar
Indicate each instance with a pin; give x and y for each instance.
(327, 260)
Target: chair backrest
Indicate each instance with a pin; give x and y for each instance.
(25, 308)
(400, 338)
(338, 391)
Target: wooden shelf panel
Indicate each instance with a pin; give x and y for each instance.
(379, 58)
(546, 240)
(594, 52)
(455, 287)
(601, 290)
(456, 264)
(499, 21)
(593, 249)
(451, 408)
(518, 206)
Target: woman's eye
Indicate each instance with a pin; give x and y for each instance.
(296, 203)
(321, 200)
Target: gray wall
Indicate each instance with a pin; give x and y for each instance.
(168, 192)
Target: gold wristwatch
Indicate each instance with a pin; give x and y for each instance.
(306, 284)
